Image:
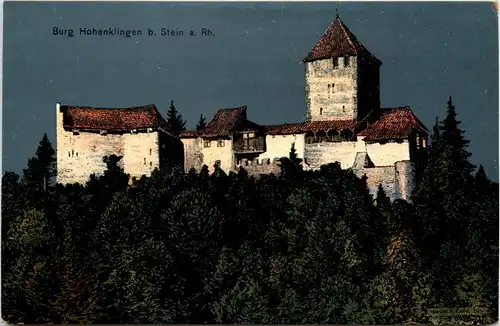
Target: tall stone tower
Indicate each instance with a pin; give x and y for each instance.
(342, 77)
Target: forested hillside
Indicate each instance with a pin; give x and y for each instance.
(298, 247)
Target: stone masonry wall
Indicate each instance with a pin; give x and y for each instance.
(405, 179)
(338, 102)
(141, 153)
(258, 167)
(193, 155)
(317, 154)
(388, 153)
(384, 175)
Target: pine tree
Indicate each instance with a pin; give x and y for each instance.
(42, 167)
(47, 161)
(202, 123)
(291, 166)
(174, 119)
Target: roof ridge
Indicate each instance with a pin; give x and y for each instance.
(347, 34)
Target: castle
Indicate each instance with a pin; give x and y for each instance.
(344, 124)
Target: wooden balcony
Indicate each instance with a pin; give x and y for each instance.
(249, 145)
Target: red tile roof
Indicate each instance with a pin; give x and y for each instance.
(295, 128)
(284, 129)
(338, 41)
(118, 119)
(224, 122)
(388, 123)
(189, 134)
(329, 125)
(393, 123)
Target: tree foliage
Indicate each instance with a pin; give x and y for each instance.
(201, 123)
(174, 119)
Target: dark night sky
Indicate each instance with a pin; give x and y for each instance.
(429, 52)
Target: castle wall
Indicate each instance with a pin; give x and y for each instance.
(223, 154)
(193, 155)
(81, 154)
(280, 146)
(258, 167)
(140, 153)
(388, 153)
(338, 102)
(317, 154)
(404, 179)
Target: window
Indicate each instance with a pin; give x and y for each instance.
(150, 163)
(343, 108)
(320, 111)
(206, 143)
(69, 154)
(335, 63)
(220, 143)
(150, 151)
(333, 86)
(76, 154)
(144, 161)
(347, 61)
(72, 153)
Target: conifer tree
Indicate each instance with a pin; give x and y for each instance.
(174, 119)
(291, 166)
(202, 123)
(47, 160)
(42, 167)
(453, 143)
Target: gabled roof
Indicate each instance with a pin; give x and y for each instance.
(392, 123)
(248, 126)
(113, 119)
(224, 122)
(338, 41)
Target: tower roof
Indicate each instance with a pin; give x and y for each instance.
(338, 41)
